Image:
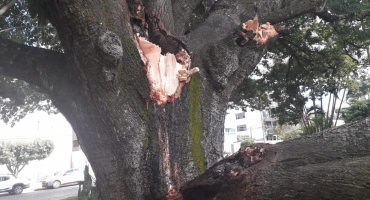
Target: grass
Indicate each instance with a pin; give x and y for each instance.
(71, 198)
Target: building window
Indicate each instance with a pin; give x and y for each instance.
(240, 115)
(75, 143)
(4, 178)
(241, 128)
(230, 131)
(274, 124)
(266, 114)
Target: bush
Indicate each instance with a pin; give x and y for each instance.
(246, 142)
(240, 138)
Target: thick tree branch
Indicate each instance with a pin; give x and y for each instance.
(162, 9)
(19, 170)
(46, 69)
(22, 27)
(215, 40)
(350, 55)
(279, 11)
(364, 14)
(7, 6)
(11, 93)
(315, 166)
(330, 17)
(189, 15)
(233, 14)
(8, 167)
(358, 46)
(182, 12)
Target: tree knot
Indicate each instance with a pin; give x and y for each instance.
(110, 47)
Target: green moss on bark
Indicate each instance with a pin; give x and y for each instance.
(146, 140)
(196, 126)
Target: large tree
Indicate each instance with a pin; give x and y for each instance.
(142, 142)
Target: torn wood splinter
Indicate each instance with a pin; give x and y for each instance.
(167, 74)
(263, 32)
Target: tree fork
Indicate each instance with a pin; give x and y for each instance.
(107, 97)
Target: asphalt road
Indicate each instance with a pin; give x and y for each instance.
(43, 194)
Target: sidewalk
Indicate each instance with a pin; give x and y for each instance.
(33, 186)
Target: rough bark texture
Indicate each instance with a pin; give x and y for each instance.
(139, 150)
(333, 164)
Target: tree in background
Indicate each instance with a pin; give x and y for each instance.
(16, 155)
(251, 94)
(19, 98)
(288, 132)
(244, 140)
(358, 109)
(362, 91)
(359, 102)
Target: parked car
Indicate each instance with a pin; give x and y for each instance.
(12, 184)
(63, 178)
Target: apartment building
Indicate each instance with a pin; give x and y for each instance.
(241, 123)
(257, 125)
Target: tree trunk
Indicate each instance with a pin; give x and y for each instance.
(137, 148)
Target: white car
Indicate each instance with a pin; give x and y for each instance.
(13, 185)
(63, 178)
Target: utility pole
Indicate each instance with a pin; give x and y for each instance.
(250, 128)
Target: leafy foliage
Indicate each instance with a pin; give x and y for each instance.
(289, 132)
(18, 25)
(362, 91)
(359, 102)
(250, 95)
(359, 109)
(18, 98)
(246, 142)
(319, 58)
(17, 155)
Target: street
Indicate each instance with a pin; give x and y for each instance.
(43, 194)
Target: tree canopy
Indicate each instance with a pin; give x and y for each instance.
(322, 55)
(288, 132)
(359, 102)
(16, 155)
(358, 109)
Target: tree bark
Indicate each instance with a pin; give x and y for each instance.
(137, 148)
(333, 164)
